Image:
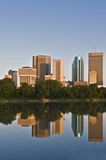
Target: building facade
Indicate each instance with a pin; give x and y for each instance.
(96, 65)
(92, 77)
(14, 76)
(58, 70)
(27, 75)
(78, 69)
(76, 83)
(8, 76)
(42, 64)
(49, 77)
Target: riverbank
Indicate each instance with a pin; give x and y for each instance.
(50, 100)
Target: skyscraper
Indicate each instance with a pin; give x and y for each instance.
(14, 76)
(42, 64)
(96, 65)
(77, 125)
(58, 70)
(78, 69)
(95, 128)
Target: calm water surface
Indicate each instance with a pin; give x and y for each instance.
(27, 132)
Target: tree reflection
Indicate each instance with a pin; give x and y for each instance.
(48, 112)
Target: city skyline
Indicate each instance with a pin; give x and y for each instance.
(45, 129)
(42, 64)
(61, 30)
(53, 79)
(24, 128)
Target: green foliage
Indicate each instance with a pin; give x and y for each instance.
(7, 88)
(93, 91)
(50, 89)
(48, 112)
(26, 90)
(47, 89)
(81, 92)
(8, 113)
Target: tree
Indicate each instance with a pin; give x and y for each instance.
(47, 89)
(93, 90)
(26, 90)
(7, 88)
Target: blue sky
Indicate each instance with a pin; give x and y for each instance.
(62, 29)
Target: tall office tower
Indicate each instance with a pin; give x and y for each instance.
(14, 76)
(77, 125)
(27, 75)
(58, 126)
(41, 129)
(78, 69)
(43, 66)
(58, 70)
(96, 65)
(95, 128)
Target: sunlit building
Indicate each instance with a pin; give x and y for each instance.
(8, 76)
(58, 70)
(95, 128)
(49, 77)
(92, 77)
(42, 64)
(27, 75)
(76, 83)
(96, 64)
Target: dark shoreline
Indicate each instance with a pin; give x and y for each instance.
(51, 100)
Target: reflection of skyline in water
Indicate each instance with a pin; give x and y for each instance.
(55, 137)
(58, 126)
(77, 125)
(42, 128)
(26, 122)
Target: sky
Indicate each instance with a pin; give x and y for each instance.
(61, 29)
